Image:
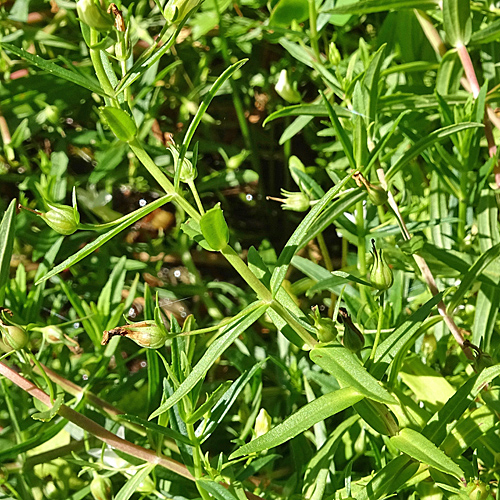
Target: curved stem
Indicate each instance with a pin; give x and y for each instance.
(379, 326)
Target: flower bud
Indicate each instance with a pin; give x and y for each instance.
(177, 10)
(262, 423)
(62, 219)
(92, 14)
(334, 55)
(380, 275)
(376, 194)
(353, 339)
(146, 334)
(325, 327)
(298, 202)
(101, 487)
(477, 490)
(14, 337)
(188, 172)
(285, 90)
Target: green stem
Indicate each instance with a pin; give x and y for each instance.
(313, 20)
(360, 224)
(234, 259)
(196, 196)
(95, 56)
(462, 207)
(222, 323)
(197, 466)
(161, 178)
(308, 339)
(379, 327)
(328, 264)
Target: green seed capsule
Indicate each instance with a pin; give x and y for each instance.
(177, 10)
(188, 172)
(101, 487)
(14, 337)
(297, 202)
(62, 219)
(90, 13)
(380, 275)
(325, 327)
(146, 334)
(377, 195)
(214, 228)
(353, 339)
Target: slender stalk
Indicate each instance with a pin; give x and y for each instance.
(360, 226)
(328, 264)
(234, 259)
(197, 465)
(379, 326)
(196, 196)
(93, 428)
(161, 178)
(309, 340)
(45, 377)
(424, 269)
(313, 21)
(462, 206)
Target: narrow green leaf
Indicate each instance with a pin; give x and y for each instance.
(99, 241)
(54, 69)
(120, 123)
(306, 110)
(202, 110)
(491, 33)
(370, 6)
(472, 274)
(346, 368)
(340, 132)
(436, 428)
(371, 82)
(155, 428)
(389, 479)
(310, 414)
(215, 489)
(457, 21)
(485, 377)
(217, 347)
(420, 448)
(426, 142)
(337, 278)
(131, 486)
(297, 237)
(7, 230)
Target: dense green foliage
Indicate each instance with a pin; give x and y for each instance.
(168, 330)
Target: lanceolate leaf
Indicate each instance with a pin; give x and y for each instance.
(6, 242)
(98, 242)
(425, 142)
(310, 414)
(54, 69)
(231, 332)
(346, 368)
(457, 21)
(369, 6)
(420, 448)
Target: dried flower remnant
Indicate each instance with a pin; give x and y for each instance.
(376, 194)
